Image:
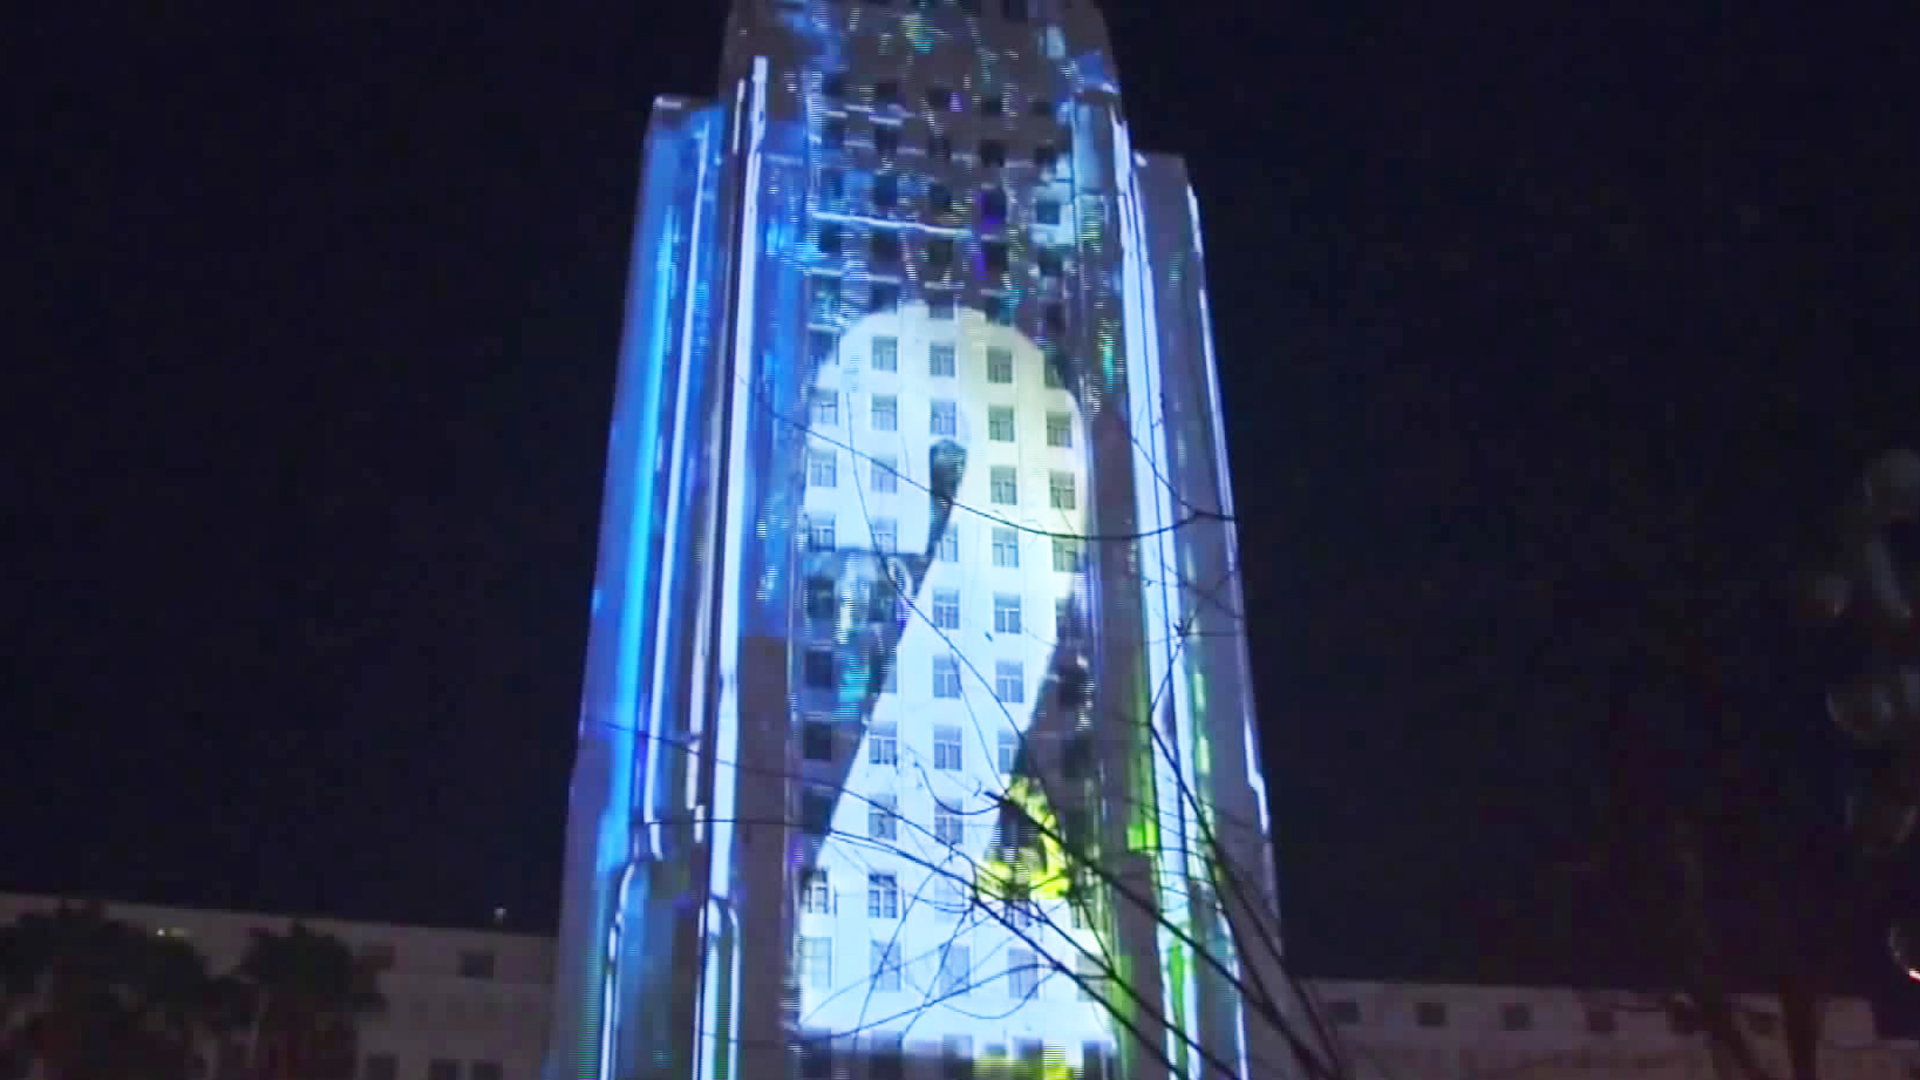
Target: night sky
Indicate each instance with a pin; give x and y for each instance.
(1523, 317)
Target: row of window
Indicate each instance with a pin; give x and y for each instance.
(822, 669)
(989, 206)
(883, 414)
(949, 749)
(887, 92)
(1020, 979)
(1003, 481)
(823, 601)
(883, 354)
(827, 303)
(470, 964)
(990, 153)
(822, 534)
(387, 1067)
(1514, 1016)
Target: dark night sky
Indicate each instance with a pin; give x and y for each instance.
(320, 315)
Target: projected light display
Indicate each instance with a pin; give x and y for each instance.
(916, 731)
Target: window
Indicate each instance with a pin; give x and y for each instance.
(816, 962)
(883, 743)
(886, 140)
(821, 469)
(946, 747)
(886, 248)
(1008, 754)
(1065, 626)
(993, 207)
(820, 532)
(883, 819)
(830, 239)
(1516, 1017)
(1060, 431)
(1430, 1014)
(1344, 1013)
(940, 253)
(1047, 212)
(940, 147)
(476, 965)
(992, 104)
(1009, 681)
(1021, 914)
(483, 1070)
(886, 412)
(886, 192)
(998, 309)
(1005, 487)
(1023, 974)
(826, 297)
(884, 296)
(886, 353)
(1052, 374)
(381, 1067)
(833, 134)
(939, 98)
(1000, 423)
(1602, 1022)
(1060, 490)
(832, 184)
(940, 359)
(1681, 1021)
(886, 92)
(886, 474)
(1055, 318)
(956, 969)
(816, 811)
(1039, 107)
(1006, 613)
(819, 665)
(994, 253)
(1097, 1063)
(946, 677)
(946, 609)
(943, 418)
(1045, 156)
(1092, 977)
(999, 365)
(1066, 555)
(822, 348)
(822, 602)
(947, 827)
(886, 965)
(940, 196)
(949, 549)
(833, 84)
(1006, 548)
(1048, 261)
(955, 896)
(825, 408)
(816, 893)
(940, 306)
(816, 740)
(443, 1069)
(1014, 9)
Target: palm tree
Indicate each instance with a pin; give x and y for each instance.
(309, 992)
(83, 996)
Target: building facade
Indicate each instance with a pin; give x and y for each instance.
(460, 1004)
(1429, 1031)
(916, 735)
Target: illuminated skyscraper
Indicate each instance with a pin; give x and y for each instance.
(916, 735)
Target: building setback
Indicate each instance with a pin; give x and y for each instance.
(916, 734)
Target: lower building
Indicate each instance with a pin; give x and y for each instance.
(461, 1004)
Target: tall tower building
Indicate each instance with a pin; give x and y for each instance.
(916, 738)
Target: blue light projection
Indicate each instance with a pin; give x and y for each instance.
(916, 724)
